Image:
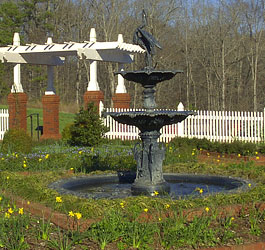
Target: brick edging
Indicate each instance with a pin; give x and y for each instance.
(58, 219)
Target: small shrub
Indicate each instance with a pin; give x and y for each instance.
(16, 140)
(88, 129)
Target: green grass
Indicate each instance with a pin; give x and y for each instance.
(51, 162)
(64, 119)
(122, 222)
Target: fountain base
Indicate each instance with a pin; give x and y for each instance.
(149, 190)
(119, 186)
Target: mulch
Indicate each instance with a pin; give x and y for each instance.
(217, 158)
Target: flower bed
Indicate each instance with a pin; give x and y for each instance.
(131, 223)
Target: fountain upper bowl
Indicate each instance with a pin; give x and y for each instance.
(148, 77)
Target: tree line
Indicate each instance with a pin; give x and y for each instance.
(219, 45)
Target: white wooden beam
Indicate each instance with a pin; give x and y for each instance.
(51, 54)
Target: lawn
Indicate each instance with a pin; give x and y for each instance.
(64, 119)
(131, 223)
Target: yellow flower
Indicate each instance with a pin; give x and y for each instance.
(10, 210)
(21, 211)
(218, 160)
(40, 160)
(156, 193)
(7, 177)
(167, 206)
(28, 202)
(7, 215)
(146, 210)
(78, 215)
(232, 218)
(159, 219)
(256, 152)
(72, 169)
(80, 152)
(16, 156)
(207, 209)
(249, 184)
(71, 214)
(192, 153)
(47, 156)
(92, 150)
(24, 165)
(239, 155)
(257, 157)
(59, 199)
(1, 198)
(122, 204)
(201, 191)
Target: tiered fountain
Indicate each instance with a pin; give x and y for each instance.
(149, 155)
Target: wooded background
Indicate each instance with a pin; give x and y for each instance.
(219, 45)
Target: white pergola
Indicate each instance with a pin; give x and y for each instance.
(53, 54)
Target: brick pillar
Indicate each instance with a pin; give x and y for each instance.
(93, 96)
(121, 100)
(17, 108)
(50, 104)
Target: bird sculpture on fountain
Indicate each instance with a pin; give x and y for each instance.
(146, 41)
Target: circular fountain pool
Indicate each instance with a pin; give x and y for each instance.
(119, 185)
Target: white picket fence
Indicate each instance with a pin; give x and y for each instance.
(222, 126)
(4, 116)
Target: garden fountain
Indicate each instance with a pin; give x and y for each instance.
(149, 154)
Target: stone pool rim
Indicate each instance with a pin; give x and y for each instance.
(64, 186)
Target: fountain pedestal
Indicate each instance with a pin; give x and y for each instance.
(149, 157)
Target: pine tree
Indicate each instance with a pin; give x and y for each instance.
(88, 129)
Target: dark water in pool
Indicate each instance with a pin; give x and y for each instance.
(121, 190)
(119, 186)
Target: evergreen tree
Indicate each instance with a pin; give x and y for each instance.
(88, 129)
(11, 20)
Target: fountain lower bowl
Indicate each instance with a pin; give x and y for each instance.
(119, 185)
(150, 120)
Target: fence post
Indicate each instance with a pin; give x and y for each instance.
(181, 124)
(101, 108)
